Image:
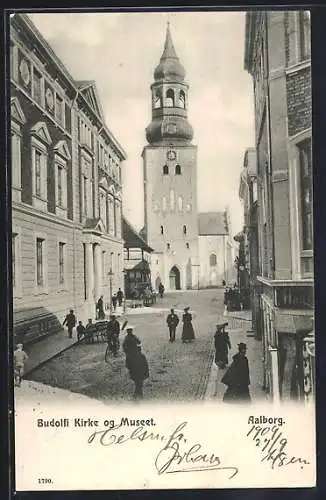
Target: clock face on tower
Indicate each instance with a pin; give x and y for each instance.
(171, 155)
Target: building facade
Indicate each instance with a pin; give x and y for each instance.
(249, 238)
(277, 55)
(215, 249)
(66, 189)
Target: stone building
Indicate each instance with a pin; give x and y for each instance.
(215, 249)
(277, 55)
(66, 189)
(248, 196)
(172, 221)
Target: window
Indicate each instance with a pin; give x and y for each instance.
(39, 262)
(61, 263)
(172, 199)
(212, 260)
(305, 45)
(59, 114)
(169, 98)
(16, 160)
(157, 102)
(103, 214)
(14, 259)
(111, 214)
(59, 185)
(177, 170)
(162, 230)
(306, 194)
(103, 264)
(187, 245)
(85, 188)
(180, 203)
(168, 246)
(182, 99)
(184, 230)
(37, 86)
(61, 157)
(38, 162)
(165, 170)
(164, 204)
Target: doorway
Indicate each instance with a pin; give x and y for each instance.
(174, 277)
(157, 283)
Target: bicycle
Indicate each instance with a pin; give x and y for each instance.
(112, 349)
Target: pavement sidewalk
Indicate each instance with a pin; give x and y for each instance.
(215, 389)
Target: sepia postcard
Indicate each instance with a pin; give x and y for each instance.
(162, 250)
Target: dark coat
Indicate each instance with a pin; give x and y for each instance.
(70, 320)
(130, 344)
(113, 328)
(187, 329)
(172, 320)
(137, 366)
(222, 346)
(120, 295)
(237, 379)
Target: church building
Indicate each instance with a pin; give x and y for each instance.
(170, 182)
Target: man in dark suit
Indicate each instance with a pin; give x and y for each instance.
(172, 321)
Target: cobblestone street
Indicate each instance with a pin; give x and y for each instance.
(177, 371)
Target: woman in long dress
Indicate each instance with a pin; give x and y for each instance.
(188, 334)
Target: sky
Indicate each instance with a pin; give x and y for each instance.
(120, 52)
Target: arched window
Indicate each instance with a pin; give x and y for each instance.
(212, 259)
(187, 245)
(169, 98)
(157, 102)
(168, 246)
(184, 229)
(182, 99)
(177, 170)
(162, 230)
(165, 170)
(172, 199)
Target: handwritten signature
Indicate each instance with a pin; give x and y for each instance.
(273, 446)
(175, 456)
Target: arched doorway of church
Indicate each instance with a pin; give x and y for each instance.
(157, 282)
(174, 277)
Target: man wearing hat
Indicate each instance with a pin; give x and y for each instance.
(138, 370)
(237, 378)
(188, 334)
(130, 342)
(113, 332)
(172, 321)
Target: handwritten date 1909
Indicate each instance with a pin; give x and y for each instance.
(175, 456)
(273, 446)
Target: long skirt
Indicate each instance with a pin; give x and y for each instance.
(188, 332)
(221, 358)
(237, 395)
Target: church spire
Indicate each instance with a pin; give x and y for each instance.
(169, 50)
(169, 68)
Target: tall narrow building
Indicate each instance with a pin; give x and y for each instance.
(170, 178)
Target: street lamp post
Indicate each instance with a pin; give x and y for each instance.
(110, 274)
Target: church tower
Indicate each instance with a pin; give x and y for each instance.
(170, 180)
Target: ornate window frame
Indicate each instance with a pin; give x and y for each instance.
(40, 141)
(61, 158)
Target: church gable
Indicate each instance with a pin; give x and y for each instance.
(91, 96)
(62, 149)
(17, 113)
(42, 132)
